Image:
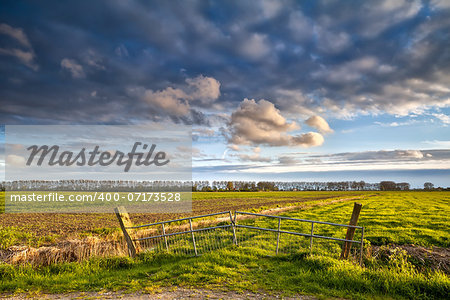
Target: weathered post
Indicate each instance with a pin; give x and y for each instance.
(193, 237)
(233, 228)
(351, 230)
(125, 222)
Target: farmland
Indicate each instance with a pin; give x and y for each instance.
(410, 220)
(42, 229)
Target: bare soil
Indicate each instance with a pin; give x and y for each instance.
(172, 293)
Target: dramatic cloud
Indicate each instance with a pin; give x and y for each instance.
(177, 102)
(319, 123)
(170, 100)
(203, 89)
(75, 69)
(260, 123)
(323, 61)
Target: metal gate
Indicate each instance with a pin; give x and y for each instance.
(200, 234)
(288, 235)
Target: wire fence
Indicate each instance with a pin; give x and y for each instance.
(188, 236)
(194, 236)
(279, 234)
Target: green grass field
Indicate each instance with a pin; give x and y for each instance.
(419, 218)
(37, 229)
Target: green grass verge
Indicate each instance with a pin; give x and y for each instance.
(420, 218)
(238, 269)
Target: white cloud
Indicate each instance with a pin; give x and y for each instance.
(443, 118)
(204, 89)
(370, 160)
(396, 124)
(205, 132)
(234, 147)
(200, 90)
(173, 101)
(260, 123)
(254, 157)
(75, 69)
(15, 160)
(409, 154)
(319, 123)
(310, 139)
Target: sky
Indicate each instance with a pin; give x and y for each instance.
(272, 90)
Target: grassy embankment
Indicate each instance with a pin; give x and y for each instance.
(393, 217)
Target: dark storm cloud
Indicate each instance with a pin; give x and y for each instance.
(85, 59)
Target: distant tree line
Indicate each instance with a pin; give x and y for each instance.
(96, 185)
(205, 186)
(252, 186)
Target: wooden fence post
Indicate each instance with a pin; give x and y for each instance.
(351, 231)
(124, 221)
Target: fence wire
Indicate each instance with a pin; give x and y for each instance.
(272, 234)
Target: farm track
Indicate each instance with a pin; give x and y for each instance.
(162, 294)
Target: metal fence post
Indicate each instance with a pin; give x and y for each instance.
(165, 237)
(311, 238)
(193, 238)
(233, 228)
(362, 247)
(278, 237)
